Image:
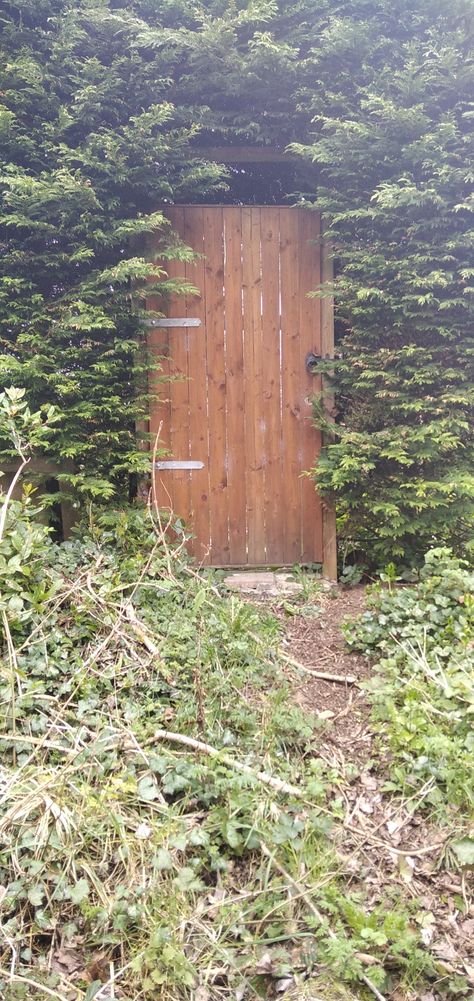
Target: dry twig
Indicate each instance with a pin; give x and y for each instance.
(239, 766)
(348, 679)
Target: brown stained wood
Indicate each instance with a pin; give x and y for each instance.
(274, 478)
(291, 385)
(310, 341)
(158, 379)
(243, 408)
(253, 380)
(236, 444)
(193, 235)
(215, 341)
(177, 482)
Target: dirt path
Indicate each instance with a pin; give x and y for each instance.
(313, 637)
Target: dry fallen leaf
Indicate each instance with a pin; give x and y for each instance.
(284, 984)
(265, 964)
(406, 866)
(445, 950)
(66, 960)
(368, 780)
(201, 994)
(366, 959)
(469, 968)
(143, 832)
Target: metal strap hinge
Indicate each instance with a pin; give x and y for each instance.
(179, 464)
(171, 321)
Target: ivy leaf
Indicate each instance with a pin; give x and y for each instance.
(463, 849)
(187, 880)
(79, 892)
(148, 788)
(162, 859)
(36, 895)
(92, 990)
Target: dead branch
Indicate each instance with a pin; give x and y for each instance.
(14, 978)
(239, 766)
(348, 679)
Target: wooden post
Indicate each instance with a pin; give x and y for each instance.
(327, 351)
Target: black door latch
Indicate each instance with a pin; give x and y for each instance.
(311, 361)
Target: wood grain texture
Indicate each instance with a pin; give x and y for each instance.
(291, 384)
(271, 404)
(253, 379)
(159, 386)
(235, 403)
(180, 487)
(217, 383)
(327, 350)
(193, 236)
(310, 341)
(242, 402)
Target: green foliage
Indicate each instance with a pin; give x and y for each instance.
(90, 147)
(393, 145)
(128, 844)
(423, 691)
(24, 431)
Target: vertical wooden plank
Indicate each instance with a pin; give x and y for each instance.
(177, 482)
(291, 384)
(197, 382)
(310, 341)
(273, 500)
(158, 382)
(216, 374)
(236, 452)
(253, 375)
(327, 351)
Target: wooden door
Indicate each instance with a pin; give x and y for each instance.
(236, 419)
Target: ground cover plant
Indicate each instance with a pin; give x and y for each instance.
(422, 636)
(171, 826)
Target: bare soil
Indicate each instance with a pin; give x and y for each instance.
(316, 641)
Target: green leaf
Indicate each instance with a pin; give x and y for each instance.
(92, 990)
(79, 892)
(463, 848)
(163, 860)
(36, 895)
(148, 788)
